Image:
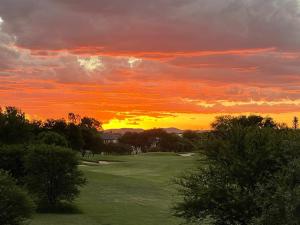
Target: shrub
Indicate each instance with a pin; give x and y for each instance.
(52, 138)
(12, 160)
(52, 175)
(279, 197)
(15, 205)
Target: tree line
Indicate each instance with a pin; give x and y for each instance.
(85, 134)
(39, 159)
(158, 140)
(77, 133)
(248, 172)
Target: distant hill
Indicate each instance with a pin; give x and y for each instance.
(123, 130)
(139, 130)
(172, 130)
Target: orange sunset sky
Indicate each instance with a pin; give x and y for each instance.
(158, 63)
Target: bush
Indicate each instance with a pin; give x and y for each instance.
(52, 138)
(246, 176)
(12, 160)
(15, 205)
(52, 175)
(279, 197)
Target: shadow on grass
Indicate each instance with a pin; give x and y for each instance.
(61, 208)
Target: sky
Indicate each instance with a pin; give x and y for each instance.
(146, 64)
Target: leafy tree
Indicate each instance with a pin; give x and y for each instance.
(58, 126)
(157, 140)
(133, 139)
(15, 205)
(14, 128)
(190, 135)
(91, 123)
(92, 140)
(75, 137)
(226, 122)
(52, 175)
(295, 122)
(74, 118)
(245, 163)
(194, 140)
(52, 138)
(171, 142)
(35, 126)
(12, 160)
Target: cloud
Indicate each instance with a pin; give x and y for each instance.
(90, 64)
(132, 61)
(161, 25)
(112, 59)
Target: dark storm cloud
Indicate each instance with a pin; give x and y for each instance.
(159, 25)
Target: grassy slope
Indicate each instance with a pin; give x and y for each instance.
(136, 191)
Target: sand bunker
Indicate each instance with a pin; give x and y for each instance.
(104, 162)
(187, 154)
(88, 163)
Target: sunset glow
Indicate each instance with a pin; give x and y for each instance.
(148, 64)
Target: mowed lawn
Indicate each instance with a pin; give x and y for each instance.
(135, 190)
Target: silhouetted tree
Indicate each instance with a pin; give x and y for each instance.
(92, 140)
(156, 140)
(74, 118)
(58, 126)
(75, 137)
(295, 122)
(132, 139)
(91, 123)
(226, 122)
(14, 128)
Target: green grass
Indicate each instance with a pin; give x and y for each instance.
(135, 190)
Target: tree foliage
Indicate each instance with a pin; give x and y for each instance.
(157, 140)
(52, 138)
(295, 122)
(118, 149)
(53, 175)
(58, 126)
(245, 173)
(34, 154)
(14, 128)
(15, 205)
(12, 159)
(92, 140)
(91, 123)
(81, 133)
